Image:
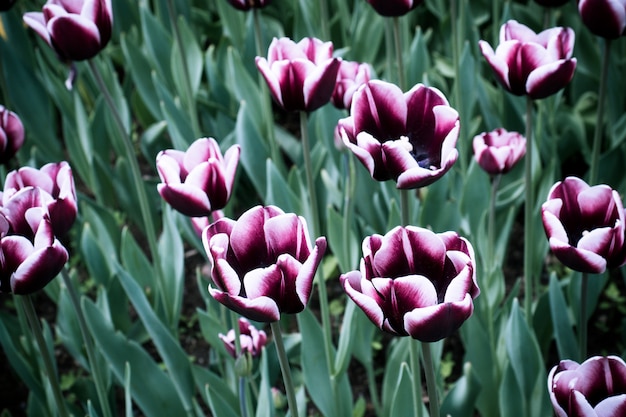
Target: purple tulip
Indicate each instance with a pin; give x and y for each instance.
(350, 77)
(51, 187)
(391, 8)
(585, 225)
(595, 388)
(29, 265)
(605, 18)
(262, 264)
(200, 180)
(11, 134)
(415, 282)
(524, 62)
(408, 137)
(252, 340)
(552, 3)
(301, 76)
(246, 5)
(498, 151)
(75, 29)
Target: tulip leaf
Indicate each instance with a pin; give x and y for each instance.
(344, 346)
(152, 389)
(171, 352)
(244, 87)
(461, 399)
(563, 333)
(136, 263)
(172, 267)
(402, 403)
(178, 123)
(233, 23)
(221, 400)
(393, 367)
(254, 152)
(157, 42)
(332, 395)
(278, 191)
(344, 246)
(265, 404)
(511, 402)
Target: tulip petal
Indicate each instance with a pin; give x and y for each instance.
(271, 78)
(262, 309)
(37, 22)
(577, 259)
(597, 241)
(74, 37)
(579, 406)
(319, 84)
(357, 289)
(433, 323)
(99, 12)
(306, 272)
(550, 78)
(189, 200)
(500, 61)
(379, 108)
(604, 18)
(284, 235)
(612, 407)
(36, 271)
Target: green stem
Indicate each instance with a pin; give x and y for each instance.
(582, 319)
(35, 326)
(404, 207)
(286, 370)
(88, 342)
(491, 224)
(234, 318)
(414, 357)
(597, 136)
(321, 285)
(456, 62)
(528, 213)
(267, 105)
(397, 41)
(243, 407)
(193, 113)
(144, 204)
(431, 381)
(348, 203)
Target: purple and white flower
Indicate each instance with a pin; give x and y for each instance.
(11, 134)
(606, 18)
(499, 150)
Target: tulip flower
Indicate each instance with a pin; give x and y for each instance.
(409, 138)
(527, 63)
(252, 340)
(51, 187)
(552, 3)
(301, 76)
(605, 18)
(350, 77)
(594, 388)
(498, 151)
(75, 29)
(29, 265)
(585, 225)
(391, 8)
(415, 282)
(262, 264)
(200, 180)
(11, 134)
(246, 5)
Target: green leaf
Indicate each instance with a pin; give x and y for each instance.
(461, 399)
(141, 70)
(278, 191)
(265, 403)
(136, 263)
(345, 248)
(563, 333)
(393, 370)
(254, 152)
(178, 123)
(158, 44)
(152, 389)
(402, 401)
(221, 400)
(172, 264)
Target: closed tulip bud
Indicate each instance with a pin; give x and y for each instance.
(409, 138)
(28, 265)
(498, 151)
(529, 63)
(251, 339)
(246, 5)
(585, 225)
(415, 282)
(350, 77)
(605, 18)
(11, 134)
(594, 388)
(75, 29)
(200, 180)
(391, 8)
(301, 76)
(50, 187)
(263, 264)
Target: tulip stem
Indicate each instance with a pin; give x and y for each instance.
(582, 319)
(597, 136)
(267, 105)
(88, 342)
(528, 211)
(348, 203)
(397, 41)
(404, 207)
(35, 326)
(144, 204)
(414, 357)
(491, 223)
(243, 407)
(191, 105)
(321, 285)
(456, 62)
(431, 381)
(284, 366)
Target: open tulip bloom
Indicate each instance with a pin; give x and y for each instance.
(594, 388)
(200, 180)
(11, 134)
(415, 282)
(301, 76)
(75, 29)
(606, 18)
(409, 138)
(350, 77)
(251, 339)
(585, 225)
(529, 63)
(498, 151)
(262, 264)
